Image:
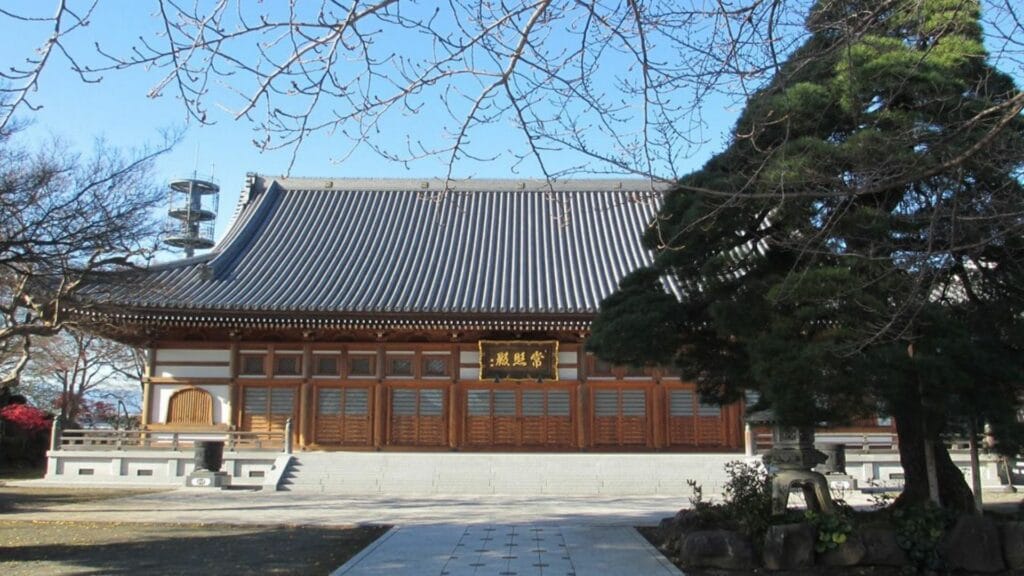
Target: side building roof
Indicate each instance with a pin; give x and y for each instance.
(388, 252)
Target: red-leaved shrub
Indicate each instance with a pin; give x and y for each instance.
(26, 417)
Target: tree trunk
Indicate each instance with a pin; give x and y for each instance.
(975, 467)
(954, 492)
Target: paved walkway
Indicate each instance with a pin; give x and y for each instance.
(510, 550)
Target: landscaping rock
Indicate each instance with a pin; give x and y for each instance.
(716, 549)
(670, 530)
(973, 545)
(880, 546)
(849, 553)
(789, 546)
(1012, 534)
(668, 535)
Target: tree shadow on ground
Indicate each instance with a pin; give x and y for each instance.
(40, 499)
(126, 548)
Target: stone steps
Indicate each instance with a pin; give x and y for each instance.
(572, 474)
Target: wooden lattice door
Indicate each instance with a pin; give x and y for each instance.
(692, 422)
(418, 417)
(546, 418)
(621, 417)
(518, 418)
(343, 416)
(266, 409)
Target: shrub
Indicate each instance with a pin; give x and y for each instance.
(919, 529)
(24, 434)
(833, 529)
(27, 418)
(747, 501)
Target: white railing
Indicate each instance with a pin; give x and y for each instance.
(861, 441)
(854, 441)
(234, 440)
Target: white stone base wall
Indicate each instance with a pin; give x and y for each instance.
(568, 474)
(158, 467)
(467, 473)
(462, 473)
(882, 468)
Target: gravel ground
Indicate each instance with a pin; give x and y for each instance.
(77, 547)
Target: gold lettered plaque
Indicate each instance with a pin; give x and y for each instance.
(519, 359)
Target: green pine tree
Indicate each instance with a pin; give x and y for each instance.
(858, 245)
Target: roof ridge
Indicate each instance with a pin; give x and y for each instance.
(470, 185)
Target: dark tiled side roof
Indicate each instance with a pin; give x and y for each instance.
(383, 247)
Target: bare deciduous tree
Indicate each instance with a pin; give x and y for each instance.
(63, 219)
(75, 371)
(625, 87)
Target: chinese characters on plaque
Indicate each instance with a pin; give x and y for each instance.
(519, 359)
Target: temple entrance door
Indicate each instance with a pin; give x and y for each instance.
(417, 417)
(621, 416)
(692, 422)
(546, 418)
(266, 408)
(343, 416)
(519, 416)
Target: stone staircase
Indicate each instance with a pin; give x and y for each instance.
(469, 474)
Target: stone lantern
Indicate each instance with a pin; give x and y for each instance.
(791, 461)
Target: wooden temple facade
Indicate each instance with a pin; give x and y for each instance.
(402, 394)
(409, 315)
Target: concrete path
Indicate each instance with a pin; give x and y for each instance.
(509, 550)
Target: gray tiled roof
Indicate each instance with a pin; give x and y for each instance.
(383, 247)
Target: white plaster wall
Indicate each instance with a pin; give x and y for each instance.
(469, 372)
(175, 371)
(171, 356)
(567, 358)
(161, 398)
(567, 373)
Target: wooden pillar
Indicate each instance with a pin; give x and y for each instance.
(582, 416)
(658, 416)
(453, 416)
(380, 408)
(379, 415)
(147, 385)
(734, 425)
(306, 397)
(454, 399)
(234, 394)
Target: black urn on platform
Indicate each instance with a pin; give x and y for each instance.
(209, 455)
